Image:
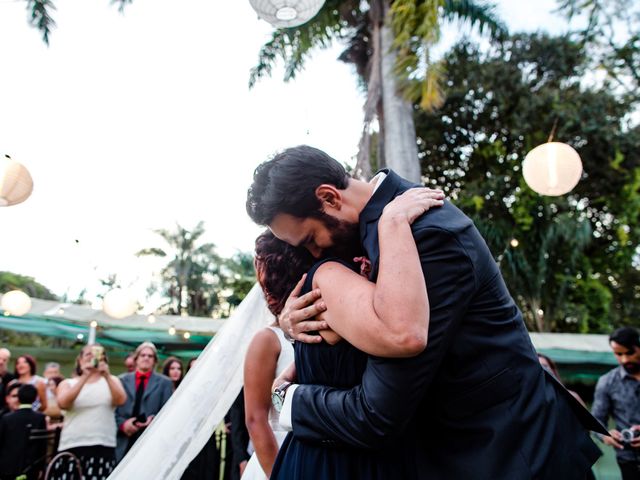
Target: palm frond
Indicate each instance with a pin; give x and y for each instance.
(40, 17)
(293, 45)
(121, 4)
(153, 252)
(477, 14)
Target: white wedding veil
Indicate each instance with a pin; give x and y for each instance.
(189, 418)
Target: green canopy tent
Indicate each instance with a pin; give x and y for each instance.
(581, 358)
(73, 322)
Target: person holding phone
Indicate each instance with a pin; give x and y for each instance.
(90, 399)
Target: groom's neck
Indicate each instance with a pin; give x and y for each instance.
(358, 194)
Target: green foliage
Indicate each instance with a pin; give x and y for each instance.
(416, 26)
(239, 278)
(13, 281)
(612, 39)
(337, 19)
(575, 252)
(196, 280)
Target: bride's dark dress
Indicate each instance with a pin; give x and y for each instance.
(340, 366)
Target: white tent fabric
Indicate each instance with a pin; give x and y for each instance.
(199, 404)
(571, 341)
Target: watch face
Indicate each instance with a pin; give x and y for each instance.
(277, 401)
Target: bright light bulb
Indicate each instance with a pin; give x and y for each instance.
(186, 335)
(172, 331)
(514, 242)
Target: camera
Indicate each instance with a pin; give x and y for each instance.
(98, 354)
(628, 435)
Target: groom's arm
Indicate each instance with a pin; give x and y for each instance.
(392, 389)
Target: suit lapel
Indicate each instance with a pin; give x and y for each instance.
(129, 384)
(370, 216)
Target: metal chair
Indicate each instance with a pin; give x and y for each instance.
(64, 462)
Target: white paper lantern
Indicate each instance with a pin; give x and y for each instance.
(552, 169)
(119, 303)
(16, 183)
(16, 302)
(286, 13)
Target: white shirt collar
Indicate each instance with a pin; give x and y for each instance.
(378, 179)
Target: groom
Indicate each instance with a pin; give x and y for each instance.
(476, 400)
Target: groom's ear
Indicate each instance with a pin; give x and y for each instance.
(329, 196)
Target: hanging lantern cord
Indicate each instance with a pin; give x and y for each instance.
(553, 130)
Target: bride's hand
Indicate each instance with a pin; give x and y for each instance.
(411, 204)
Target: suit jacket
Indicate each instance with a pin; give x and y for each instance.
(476, 401)
(159, 389)
(17, 452)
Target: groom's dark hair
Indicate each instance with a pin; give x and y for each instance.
(287, 184)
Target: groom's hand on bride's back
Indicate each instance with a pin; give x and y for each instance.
(298, 315)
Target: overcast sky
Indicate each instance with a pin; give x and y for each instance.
(132, 122)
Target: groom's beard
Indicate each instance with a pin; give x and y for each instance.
(345, 237)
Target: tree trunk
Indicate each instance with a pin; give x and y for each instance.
(400, 149)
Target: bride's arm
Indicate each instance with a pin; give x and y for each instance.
(259, 373)
(391, 317)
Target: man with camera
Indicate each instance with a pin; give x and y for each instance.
(617, 395)
(147, 392)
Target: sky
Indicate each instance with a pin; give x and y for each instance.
(135, 121)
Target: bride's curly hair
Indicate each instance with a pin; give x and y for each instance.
(279, 267)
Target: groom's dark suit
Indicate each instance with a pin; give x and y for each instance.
(476, 399)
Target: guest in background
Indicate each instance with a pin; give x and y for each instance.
(551, 367)
(90, 399)
(52, 369)
(26, 369)
(172, 368)
(239, 438)
(53, 412)
(616, 396)
(5, 375)
(20, 456)
(11, 398)
(130, 363)
(146, 391)
(191, 363)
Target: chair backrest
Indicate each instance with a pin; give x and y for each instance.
(39, 440)
(64, 462)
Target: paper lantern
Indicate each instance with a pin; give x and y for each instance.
(16, 302)
(16, 183)
(552, 168)
(119, 303)
(286, 13)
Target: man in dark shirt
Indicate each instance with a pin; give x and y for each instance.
(18, 454)
(618, 396)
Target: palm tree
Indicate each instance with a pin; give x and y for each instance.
(191, 277)
(389, 42)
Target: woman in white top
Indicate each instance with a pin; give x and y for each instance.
(90, 399)
(269, 354)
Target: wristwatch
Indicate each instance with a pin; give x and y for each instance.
(277, 397)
